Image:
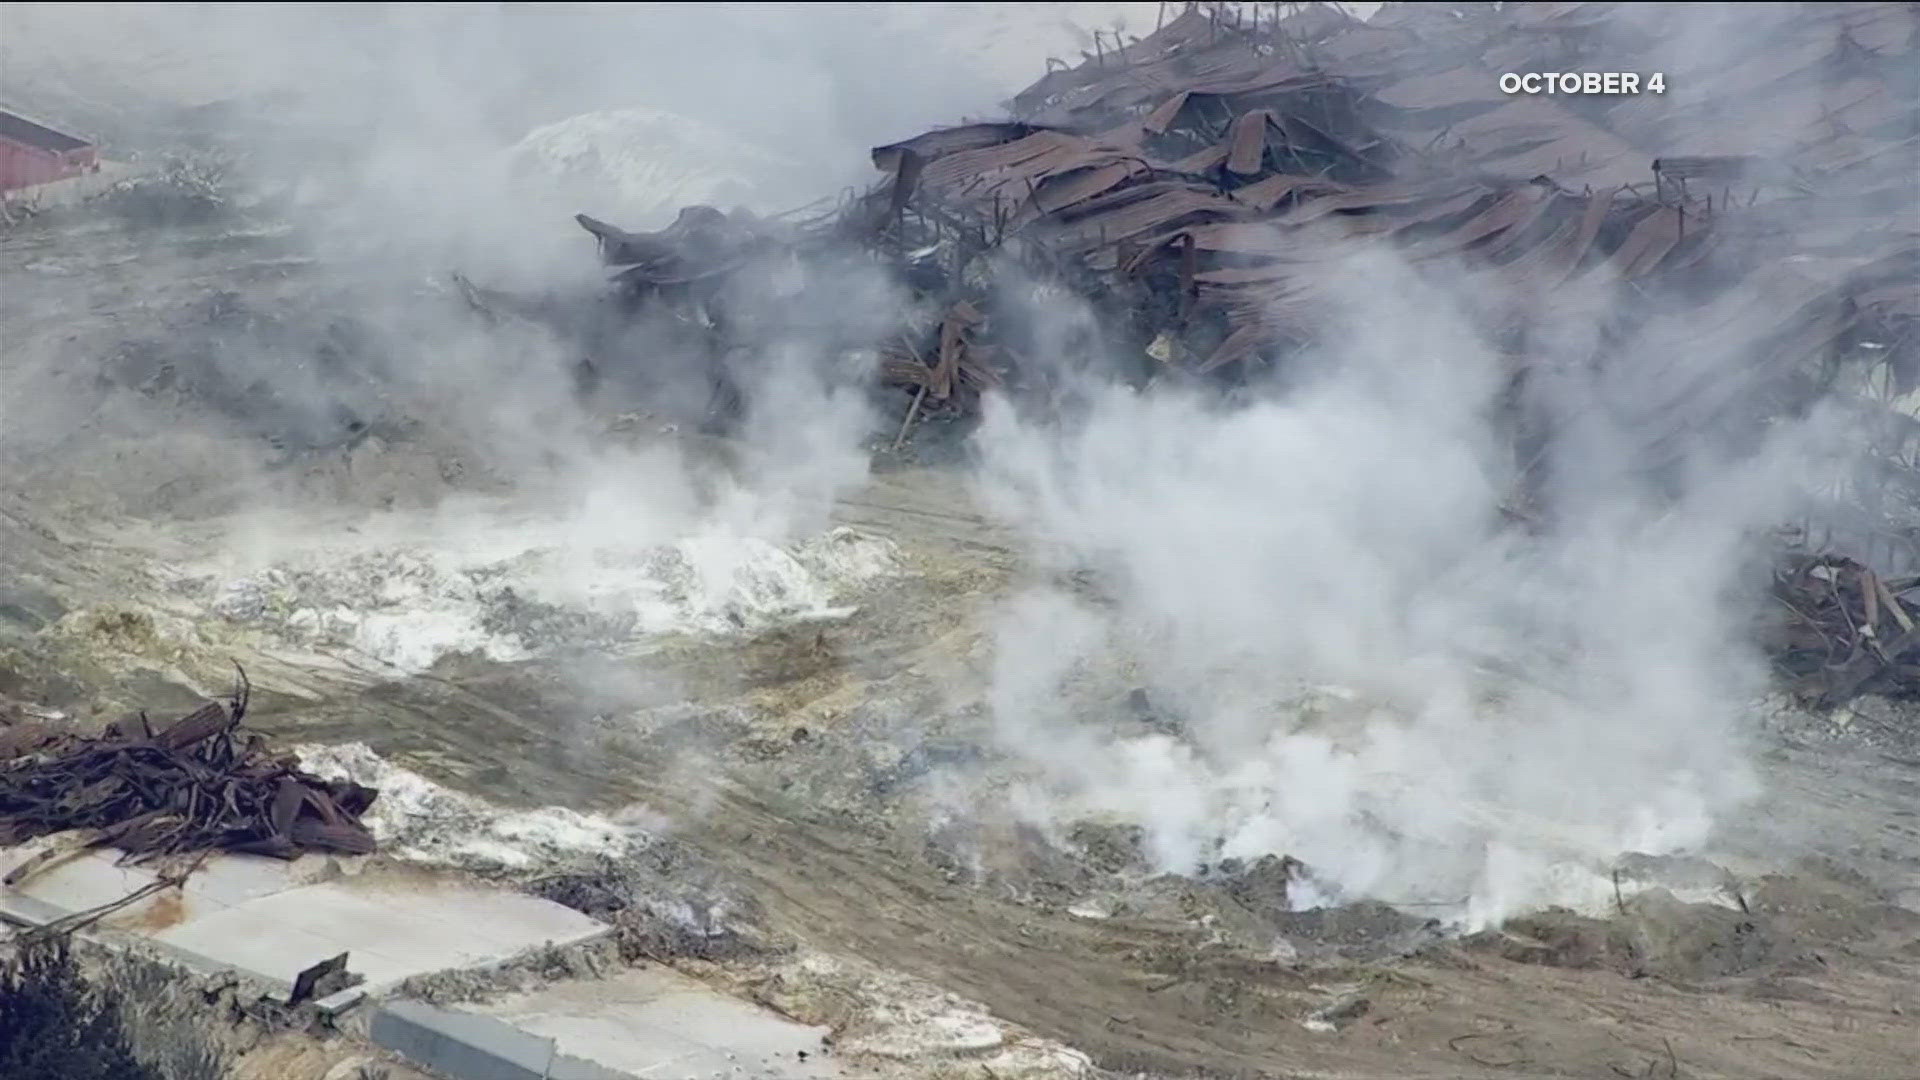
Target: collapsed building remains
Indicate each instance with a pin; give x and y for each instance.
(1186, 184)
(1196, 187)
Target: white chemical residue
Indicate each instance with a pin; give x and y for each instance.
(717, 584)
(907, 1020)
(417, 820)
(403, 608)
(408, 606)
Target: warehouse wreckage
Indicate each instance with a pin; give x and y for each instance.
(1192, 188)
(1196, 187)
(1185, 186)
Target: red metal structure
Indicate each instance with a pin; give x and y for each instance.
(33, 153)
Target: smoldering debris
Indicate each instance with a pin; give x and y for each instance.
(202, 783)
(1847, 630)
(1190, 188)
(186, 189)
(1195, 194)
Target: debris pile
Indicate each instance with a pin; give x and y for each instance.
(1195, 186)
(1741, 235)
(1190, 184)
(1848, 630)
(202, 783)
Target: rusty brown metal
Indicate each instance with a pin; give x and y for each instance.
(1848, 633)
(202, 783)
(1161, 118)
(1247, 142)
(1064, 191)
(1189, 183)
(953, 140)
(1514, 210)
(960, 318)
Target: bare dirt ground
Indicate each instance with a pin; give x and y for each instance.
(808, 772)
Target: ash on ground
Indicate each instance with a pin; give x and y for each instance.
(410, 606)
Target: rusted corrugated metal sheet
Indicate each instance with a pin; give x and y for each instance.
(1195, 185)
(1548, 191)
(946, 141)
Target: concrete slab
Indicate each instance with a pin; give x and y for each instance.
(235, 879)
(78, 883)
(460, 1045)
(391, 934)
(656, 1022)
(90, 879)
(272, 920)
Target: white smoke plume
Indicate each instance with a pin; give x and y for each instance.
(1377, 673)
(387, 146)
(403, 142)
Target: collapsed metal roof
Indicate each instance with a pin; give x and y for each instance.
(24, 131)
(1231, 133)
(1198, 187)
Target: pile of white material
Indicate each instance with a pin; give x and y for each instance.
(405, 608)
(716, 584)
(417, 820)
(642, 165)
(408, 606)
(898, 1019)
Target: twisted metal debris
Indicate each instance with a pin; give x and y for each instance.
(1197, 174)
(202, 783)
(1187, 185)
(1848, 632)
(1196, 188)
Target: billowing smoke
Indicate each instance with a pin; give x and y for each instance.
(404, 143)
(1361, 658)
(1368, 664)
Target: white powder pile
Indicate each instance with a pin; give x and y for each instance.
(404, 607)
(418, 821)
(718, 584)
(407, 606)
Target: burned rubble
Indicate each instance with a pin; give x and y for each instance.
(1847, 630)
(200, 784)
(1185, 184)
(1193, 211)
(1194, 190)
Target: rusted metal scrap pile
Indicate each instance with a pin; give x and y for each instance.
(1730, 250)
(1192, 180)
(202, 783)
(1195, 186)
(1849, 631)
